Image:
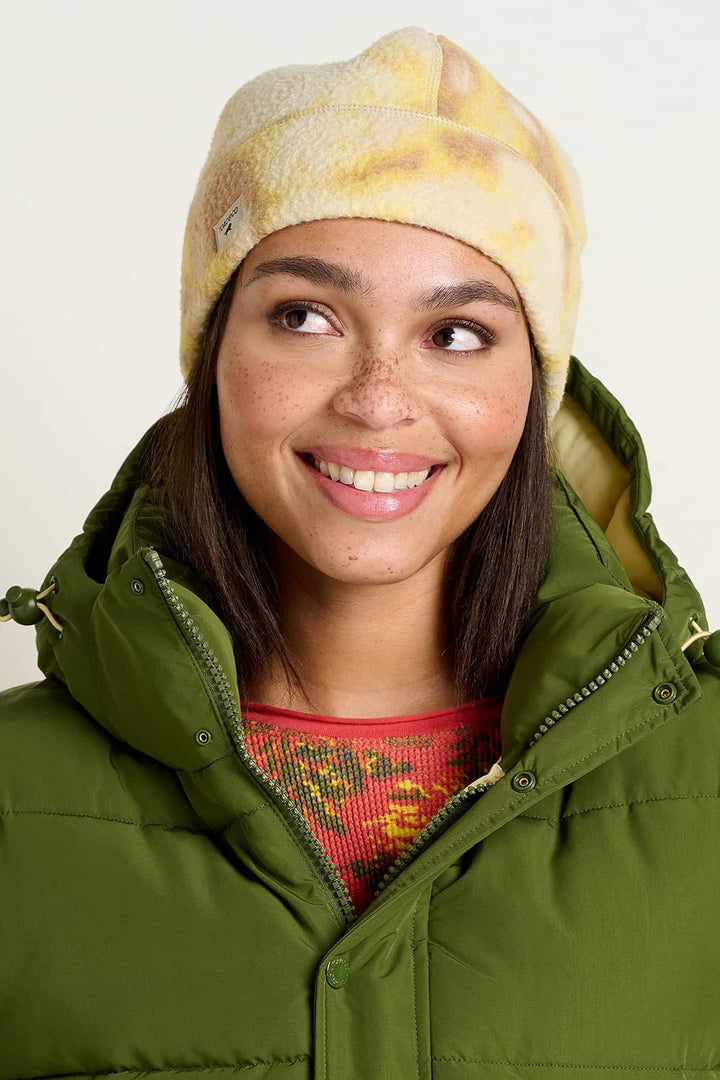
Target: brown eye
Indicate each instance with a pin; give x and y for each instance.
(296, 318)
(292, 320)
(300, 317)
(461, 333)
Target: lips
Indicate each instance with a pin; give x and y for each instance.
(355, 457)
(370, 505)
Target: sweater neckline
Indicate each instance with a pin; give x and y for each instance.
(484, 711)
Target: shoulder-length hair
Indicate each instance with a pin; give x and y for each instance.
(492, 574)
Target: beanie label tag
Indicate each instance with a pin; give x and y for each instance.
(227, 224)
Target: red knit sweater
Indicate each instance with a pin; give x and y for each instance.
(367, 787)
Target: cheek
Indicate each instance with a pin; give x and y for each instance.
(491, 423)
(258, 402)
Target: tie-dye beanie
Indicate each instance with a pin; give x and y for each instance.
(413, 130)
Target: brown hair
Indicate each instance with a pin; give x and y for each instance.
(492, 574)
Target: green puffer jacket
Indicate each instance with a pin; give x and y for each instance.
(165, 911)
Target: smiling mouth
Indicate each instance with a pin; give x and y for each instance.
(390, 482)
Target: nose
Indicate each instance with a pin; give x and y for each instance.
(378, 392)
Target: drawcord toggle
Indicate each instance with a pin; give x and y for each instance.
(711, 645)
(25, 606)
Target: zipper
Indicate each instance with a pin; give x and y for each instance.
(454, 807)
(338, 892)
(649, 624)
(217, 683)
(438, 823)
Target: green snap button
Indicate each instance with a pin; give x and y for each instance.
(337, 971)
(665, 692)
(523, 781)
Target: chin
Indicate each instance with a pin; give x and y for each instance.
(348, 563)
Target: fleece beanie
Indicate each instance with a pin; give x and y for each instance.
(415, 130)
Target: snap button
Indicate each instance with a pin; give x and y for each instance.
(665, 692)
(337, 971)
(137, 586)
(203, 737)
(523, 781)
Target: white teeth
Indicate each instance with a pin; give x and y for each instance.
(366, 480)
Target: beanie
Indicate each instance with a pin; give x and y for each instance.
(414, 130)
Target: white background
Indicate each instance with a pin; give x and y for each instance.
(107, 115)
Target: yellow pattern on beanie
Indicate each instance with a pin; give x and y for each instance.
(413, 130)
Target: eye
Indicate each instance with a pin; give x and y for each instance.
(300, 315)
(468, 331)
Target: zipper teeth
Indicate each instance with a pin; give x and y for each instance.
(443, 817)
(222, 689)
(650, 624)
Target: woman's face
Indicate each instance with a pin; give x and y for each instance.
(345, 349)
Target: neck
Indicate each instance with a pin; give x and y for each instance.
(362, 650)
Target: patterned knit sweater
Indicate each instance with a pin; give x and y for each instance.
(367, 787)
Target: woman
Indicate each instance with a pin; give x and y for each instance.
(379, 734)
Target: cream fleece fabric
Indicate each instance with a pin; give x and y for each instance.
(415, 130)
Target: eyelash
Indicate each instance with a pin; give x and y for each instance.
(467, 324)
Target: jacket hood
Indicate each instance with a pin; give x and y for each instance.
(150, 661)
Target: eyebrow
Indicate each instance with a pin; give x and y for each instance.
(354, 283)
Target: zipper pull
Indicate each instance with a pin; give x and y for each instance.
(490, 778)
